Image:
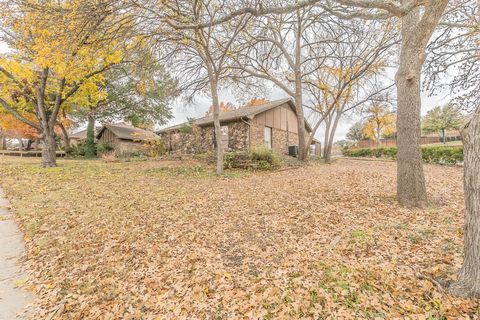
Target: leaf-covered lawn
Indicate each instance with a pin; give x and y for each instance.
(154, 240)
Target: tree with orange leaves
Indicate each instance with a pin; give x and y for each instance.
(256, 102)
(11, 127)
(224, 107)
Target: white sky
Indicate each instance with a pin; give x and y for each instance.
(181, 111)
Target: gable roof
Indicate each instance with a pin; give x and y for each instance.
(127, 132)
(82, 134)
(243, 112)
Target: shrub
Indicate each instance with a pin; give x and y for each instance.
(264, 154)
(104, 148)
(442, 155)
(260, 159)
(435, 155)
(264, 165)
(76, 151)
(237, 160)
(154, 148)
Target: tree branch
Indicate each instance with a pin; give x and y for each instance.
(10, 109)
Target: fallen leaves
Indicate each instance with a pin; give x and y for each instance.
(141, 241)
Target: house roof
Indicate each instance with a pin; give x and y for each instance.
(243, 112)
(127, 132)
(79, 135)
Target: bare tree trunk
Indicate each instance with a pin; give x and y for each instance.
(411, 190)
(49, 149)
(328, 148)
(66, 138)
(326, 138)
(29, 144)
(468, 283)
(302, 143)
(379, 142)
(216, 118)
(3, 143)
(302, 147)
(416, 33)
(312, 134)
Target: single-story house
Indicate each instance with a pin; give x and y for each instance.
(124, 138)
(78, 137)
(273, 125)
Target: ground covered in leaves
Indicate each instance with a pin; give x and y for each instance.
(149, 240)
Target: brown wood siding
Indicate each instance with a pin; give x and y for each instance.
(292, 121)
(108, 138)
(282, 118)
(269, 115)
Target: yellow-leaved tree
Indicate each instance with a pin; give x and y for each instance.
(380, 122)
(58, 52)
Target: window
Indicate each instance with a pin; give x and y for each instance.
(268, 137)
(224, 131)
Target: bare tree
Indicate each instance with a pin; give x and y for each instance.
(350, 75)
(419, 19)
(276, 49)
(200, 58)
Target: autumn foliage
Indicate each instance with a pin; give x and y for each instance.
(224, 107)
(13, 128)
(256, 102)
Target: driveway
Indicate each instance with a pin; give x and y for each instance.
(13, 300)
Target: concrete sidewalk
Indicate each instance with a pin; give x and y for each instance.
(13, 300)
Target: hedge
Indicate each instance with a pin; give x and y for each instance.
(436, 155)
(258, 159)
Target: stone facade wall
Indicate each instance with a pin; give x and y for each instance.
(128, 146)
(202, 139)
(281, 139)
(238, 136)
(241, 137)
(198, 140)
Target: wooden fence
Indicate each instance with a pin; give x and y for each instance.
(60, 154)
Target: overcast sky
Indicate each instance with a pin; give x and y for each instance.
(182, 111)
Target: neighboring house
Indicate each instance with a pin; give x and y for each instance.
(78, 137)
(273, 125)
(124, 138)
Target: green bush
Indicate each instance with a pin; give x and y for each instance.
(435, 155)
(259, 159)
(264, 154)
(103, 148)
(442, 155)
(76, 151)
